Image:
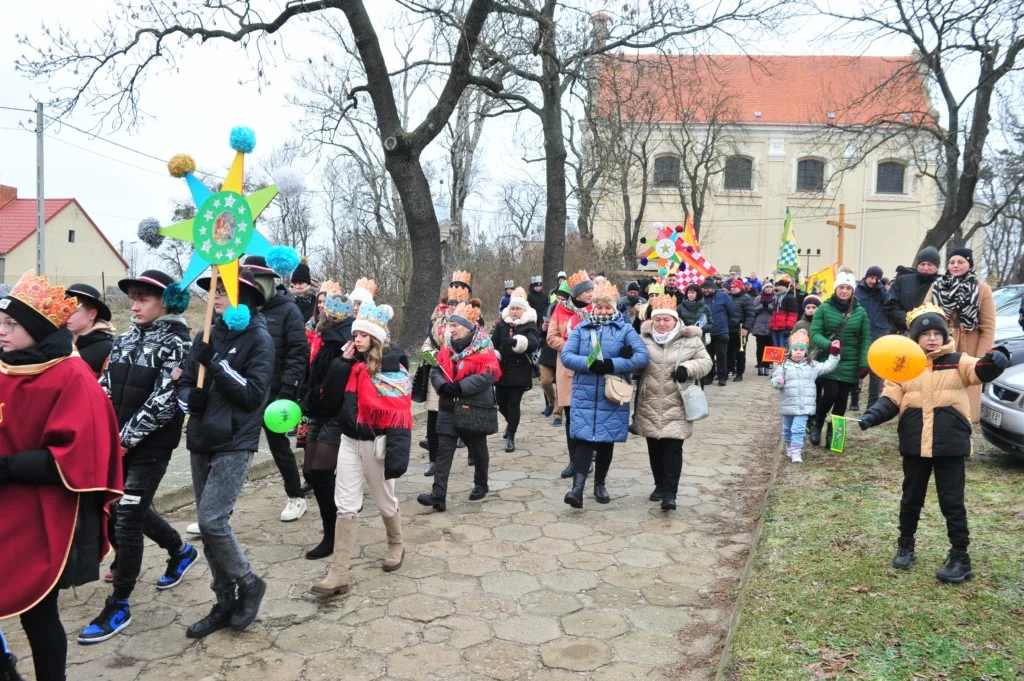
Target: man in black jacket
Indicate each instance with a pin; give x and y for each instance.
(739, 328)
(91, 327)
(139, 380)
(911, 287)
(223, 433)
(291, 358)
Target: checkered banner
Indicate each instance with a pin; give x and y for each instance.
(788, 261)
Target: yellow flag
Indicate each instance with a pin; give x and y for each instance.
(823, 281)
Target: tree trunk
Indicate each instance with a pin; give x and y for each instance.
(555, 155)
(424, 241)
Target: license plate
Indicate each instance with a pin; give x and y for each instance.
(989, 415)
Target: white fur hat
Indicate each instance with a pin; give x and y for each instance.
(846, 279)
(518, 299)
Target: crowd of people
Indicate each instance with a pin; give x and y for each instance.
(89, 418)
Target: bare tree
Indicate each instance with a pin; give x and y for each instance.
(1000, 188)
(986, 37)
(133, 254)
(522, 209)
(290, 219)
(111, 67)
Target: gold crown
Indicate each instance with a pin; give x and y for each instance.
(462, 277)
(924, 309)
(578, 277)
(367, 284)
(458, 293)
(662, 302)
(467, 311)
(606, 289)
(49, 301)
(330, 286)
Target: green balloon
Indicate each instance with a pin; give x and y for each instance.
(282, 415)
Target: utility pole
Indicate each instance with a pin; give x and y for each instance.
(40, 200)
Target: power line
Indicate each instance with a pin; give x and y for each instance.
(109, 158)
(14, 108)
(104, 139)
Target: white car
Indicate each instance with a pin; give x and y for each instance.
(1007, 301)
(1002, 411)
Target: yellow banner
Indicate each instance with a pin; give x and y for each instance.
(823, 281)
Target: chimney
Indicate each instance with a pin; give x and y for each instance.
(7, 194)
(599, 21)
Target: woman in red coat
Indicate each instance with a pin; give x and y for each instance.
(60, 466)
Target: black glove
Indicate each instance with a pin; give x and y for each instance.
(507, 343)
(453, 389)
(680, 375)
(999, 356)
(204, 352)
(197, 398)
(287, 392)
(626, 352)
(867, 420)
(602, 366)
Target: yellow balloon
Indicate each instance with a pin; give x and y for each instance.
(897, 358)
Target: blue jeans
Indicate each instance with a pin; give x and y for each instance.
(794, 428)
(780, 338)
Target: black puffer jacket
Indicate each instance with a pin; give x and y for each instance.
(746, 311)
(396, 457)
(516, 367)
(539, 302)
(94, 348)
(873, 302)
(548, 357)
(237, 386)
(287, 328)
(139, 380)
(906, 293)
(328, 375)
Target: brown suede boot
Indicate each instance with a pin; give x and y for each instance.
(336, 581)
(396, 550)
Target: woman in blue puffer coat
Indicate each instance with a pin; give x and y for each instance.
(601, 423)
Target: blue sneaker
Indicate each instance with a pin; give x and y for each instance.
(177, 567)
(115, 617)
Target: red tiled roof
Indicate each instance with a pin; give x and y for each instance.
(18, 222)
(798, 90)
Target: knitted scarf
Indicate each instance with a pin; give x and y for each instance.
(385, 399)
(958, 298)
(602, 319)
(476, 358)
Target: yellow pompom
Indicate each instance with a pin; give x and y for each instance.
(181, 165)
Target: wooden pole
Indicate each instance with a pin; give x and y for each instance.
(840, 225)
(208, 322)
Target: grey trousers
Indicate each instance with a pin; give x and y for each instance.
(217, 481)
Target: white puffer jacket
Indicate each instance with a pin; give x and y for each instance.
(659, 411)
(799, 395)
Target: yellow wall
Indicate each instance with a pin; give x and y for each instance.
(89, 260)
(744, 228)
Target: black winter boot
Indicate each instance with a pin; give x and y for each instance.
(904, 559)
(657, 494)
(323, 490)
(250, 594)
(429, 499)
(575, 496)
(601, 493)
(669, 502)
(510, 444)
(957, 568)
(219, 617)
(815, 435)
(568, 471)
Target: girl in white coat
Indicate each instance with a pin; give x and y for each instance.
(795, 377)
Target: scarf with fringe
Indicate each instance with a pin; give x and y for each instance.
(476, 358)
(385, 399)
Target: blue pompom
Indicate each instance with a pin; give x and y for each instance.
(176, 298)
(236, 318)
(283, 260)
(243, 139)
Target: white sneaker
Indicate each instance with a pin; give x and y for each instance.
(797, 457)
(193, 529)
(293, 510)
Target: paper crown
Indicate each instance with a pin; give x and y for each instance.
(373, 319)
(467, 311)
(661, 301)
(800, 337)
(48, 301)
(655, 289)
(924, 309)
(330, 286)
(338, 306)
(510, 283)
(578, 277)
(367, 285)
(536, 279)
(606, 290)
(462, 277)
(459, 293)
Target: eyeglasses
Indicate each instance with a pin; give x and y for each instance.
(8, 325)
(220, 291)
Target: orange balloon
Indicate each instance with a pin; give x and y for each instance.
(897, 358)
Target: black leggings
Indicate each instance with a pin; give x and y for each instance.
(603, 461)
(834, 397)
(509, 401)
(762, 343)
(47, 638)
(569, 441)
(432, 436)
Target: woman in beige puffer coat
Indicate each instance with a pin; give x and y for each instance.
(677, 357)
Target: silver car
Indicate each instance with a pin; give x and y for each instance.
(1002, 411)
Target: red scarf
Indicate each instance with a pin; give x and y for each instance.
(385, 399)
(478, 358)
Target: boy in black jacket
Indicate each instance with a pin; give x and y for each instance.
(139, 380)
(223, 433)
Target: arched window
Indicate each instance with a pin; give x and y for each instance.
(739, 173)
(666, 171)
(810, 175)
(889, 179)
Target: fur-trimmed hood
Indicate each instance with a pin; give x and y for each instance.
(529, 315)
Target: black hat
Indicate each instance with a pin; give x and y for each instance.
(301, 273)
(151, 278)
(965, 253)
(929, 254)
(249, 292)
(927, 322)
(257, 264)
(633, 286)
(709, 282)
(90, 297)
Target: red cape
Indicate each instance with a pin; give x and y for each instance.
(57, 406)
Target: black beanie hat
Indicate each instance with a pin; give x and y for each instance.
(301, 274)
(929, 254)
(965, 253)
(37, 326)
(927, 322)
(633, 286)
(709, 282)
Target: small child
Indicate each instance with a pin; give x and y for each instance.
(935, 434)
(795, 378)
(811, 305)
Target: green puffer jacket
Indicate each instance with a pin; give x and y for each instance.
(854, 338)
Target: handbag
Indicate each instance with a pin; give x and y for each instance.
(616, 390)
(695, 401)
(421, 383)
(474, 419)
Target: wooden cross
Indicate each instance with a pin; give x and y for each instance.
(840, 225)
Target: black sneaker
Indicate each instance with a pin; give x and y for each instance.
(177, 567)
(957, 568)
(478, 492)
(114, 617)
(904, 559)
(219, 617)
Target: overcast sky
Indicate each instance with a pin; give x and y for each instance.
(193, 110)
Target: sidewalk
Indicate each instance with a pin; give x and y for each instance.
(518, 586)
